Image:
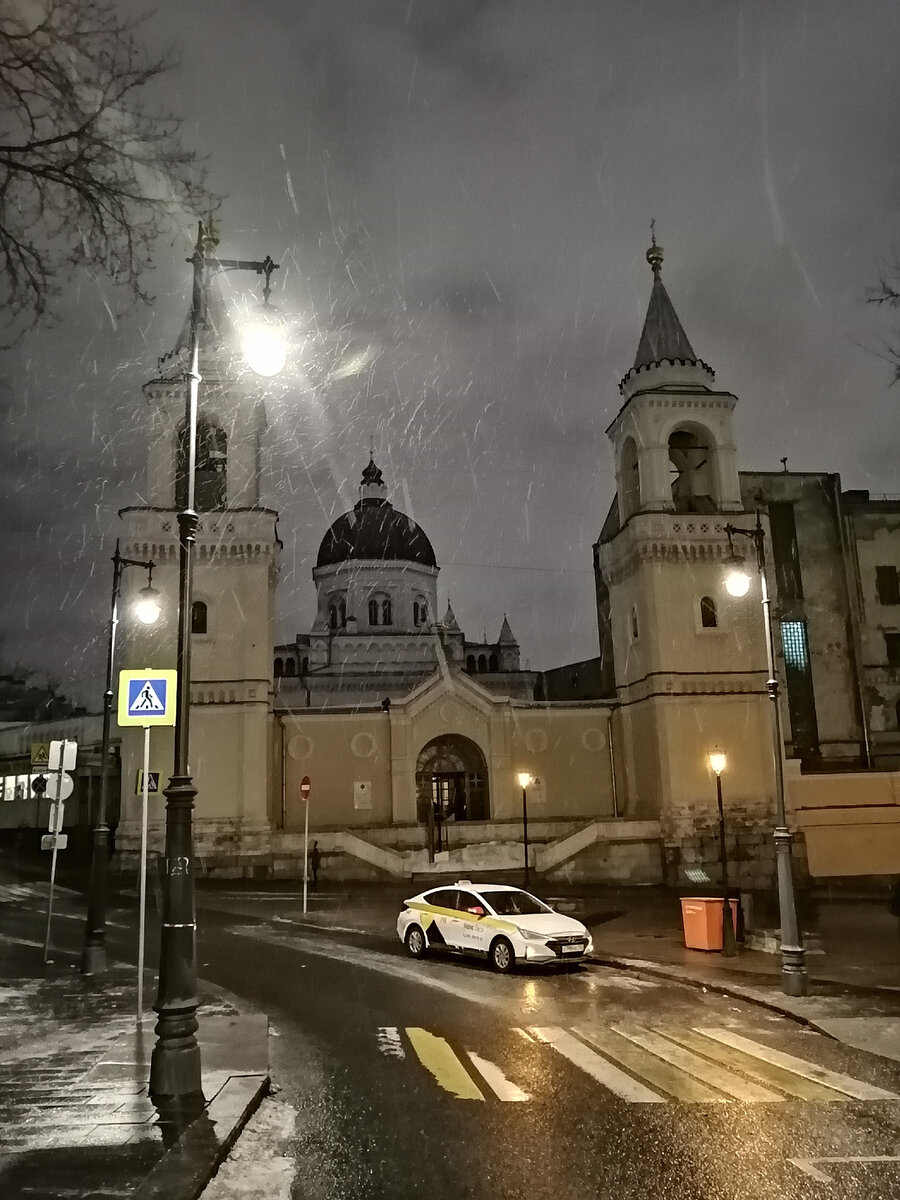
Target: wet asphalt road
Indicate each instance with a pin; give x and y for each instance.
(370, 1048)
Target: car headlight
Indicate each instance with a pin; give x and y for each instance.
(532, 937)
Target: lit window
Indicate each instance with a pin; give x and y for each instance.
(793, 641)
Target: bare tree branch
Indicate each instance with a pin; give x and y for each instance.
(89, 177)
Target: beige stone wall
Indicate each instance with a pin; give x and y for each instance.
(850, 823)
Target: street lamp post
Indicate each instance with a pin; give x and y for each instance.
(729, 945)
(794, 981)
(175, 1063)
(524, 779)
(93, 956)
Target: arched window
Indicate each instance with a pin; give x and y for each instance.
(420, 611)
(493, 664)
(709, 618)
(279, 668)
(337, 613)
(482, 664)
(470, 663)
(690, 463)
(304, 669)
(198, 617)
(210, 490)
(634, 622)
(630, 479)
(380, 610)
(290, 668)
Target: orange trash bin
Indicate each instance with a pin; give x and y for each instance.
(701, 917)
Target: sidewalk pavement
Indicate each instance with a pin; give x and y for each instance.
(75, 1114)
(853, 962)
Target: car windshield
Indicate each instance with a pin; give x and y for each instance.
(514, 904)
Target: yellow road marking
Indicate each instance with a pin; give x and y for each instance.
(436, 1057)
(657, 1073)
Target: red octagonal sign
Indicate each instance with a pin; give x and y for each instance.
(304, 787)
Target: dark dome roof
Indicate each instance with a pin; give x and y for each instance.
(375, 529)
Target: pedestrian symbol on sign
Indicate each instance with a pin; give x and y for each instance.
(146, 699)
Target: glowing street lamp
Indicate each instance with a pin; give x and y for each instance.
(525, 780)
(794, 981)
(147, 610)
(717, 762)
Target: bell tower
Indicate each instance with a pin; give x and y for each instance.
(689, 660)
(236, 559)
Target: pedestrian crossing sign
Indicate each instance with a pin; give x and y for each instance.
(147, 697)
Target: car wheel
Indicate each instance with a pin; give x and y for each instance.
(415, 942)
(503, 957)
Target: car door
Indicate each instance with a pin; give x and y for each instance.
(444, 905)
(473, 933)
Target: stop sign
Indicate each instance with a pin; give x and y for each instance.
(304, 787)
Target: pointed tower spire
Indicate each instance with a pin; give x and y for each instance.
(663, 336)
(450, 621)
(506, 634)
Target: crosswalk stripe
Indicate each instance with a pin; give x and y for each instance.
(435, 1055)
(596, 1066)
(797, 1086)
(496, 1080)
(656, 1072)
(701, 1068)
(833, 1079)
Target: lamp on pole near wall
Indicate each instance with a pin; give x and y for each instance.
(175, 1062)
(524, 778)
(717, 762)
(147, 610)
(794, 981)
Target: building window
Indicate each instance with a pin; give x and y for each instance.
(290, 668)
(634, 623)
(887, 584)
(337, 613)
(493, 664)
(786, 552)
(482, 664)
(279, 668)
(198, 617)
(210, 491)
(709, 618)
(892, 645)
(470, 663)
(380, 610)
(793, 639)
(420, 611)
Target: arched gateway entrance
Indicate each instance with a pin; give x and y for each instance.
(451, 784)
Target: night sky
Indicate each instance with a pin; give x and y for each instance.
(460, 194)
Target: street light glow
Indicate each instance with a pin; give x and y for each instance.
(265, 348)
(147, 609)
(717, 760)
(737, 582)
(524, 779)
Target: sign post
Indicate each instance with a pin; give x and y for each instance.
(146, 698)
(60, 760)
(304, 796)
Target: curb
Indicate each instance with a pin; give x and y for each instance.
(186, 1169)
(735, 991)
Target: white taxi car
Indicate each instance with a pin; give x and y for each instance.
(499, 922)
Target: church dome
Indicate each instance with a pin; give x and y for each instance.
(374, 529)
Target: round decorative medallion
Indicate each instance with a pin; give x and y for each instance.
(450, 712)
(300, 746)
(536, 740)
(593, 739)
(362, 745)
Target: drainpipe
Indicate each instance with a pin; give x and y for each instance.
(612, 760)
(283, 777)
(848, 556)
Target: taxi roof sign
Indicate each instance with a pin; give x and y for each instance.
(147, 697)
